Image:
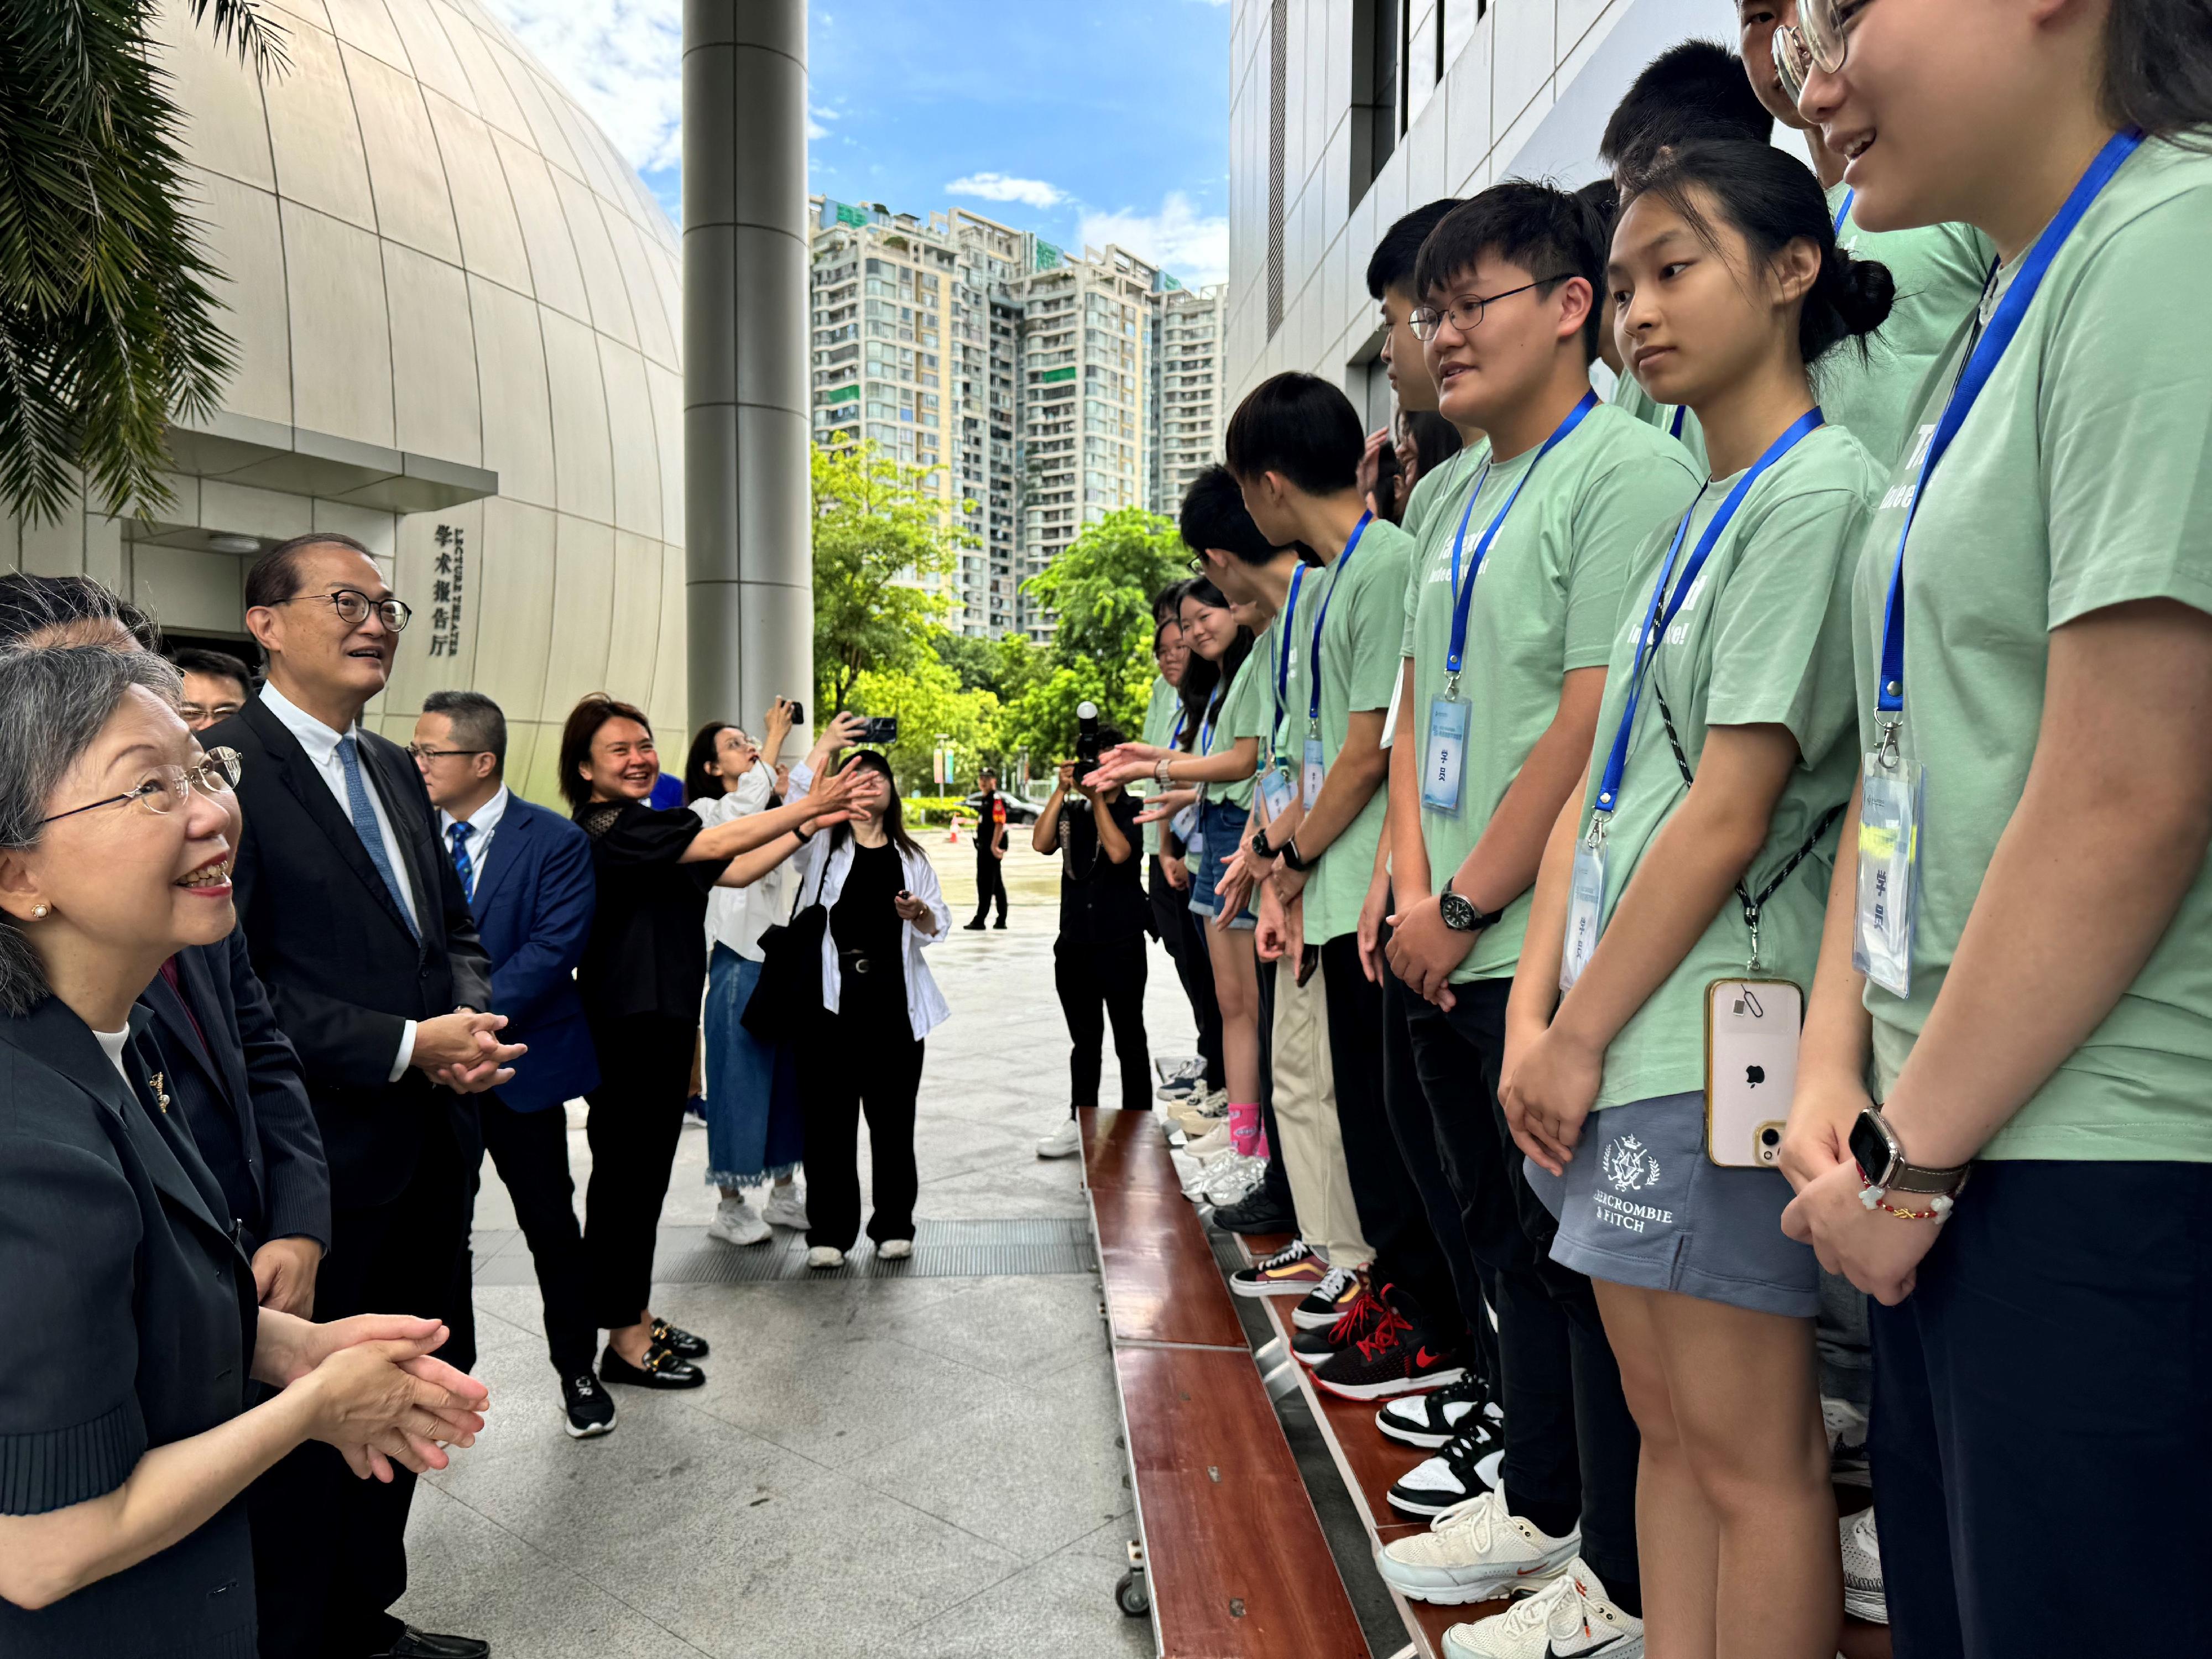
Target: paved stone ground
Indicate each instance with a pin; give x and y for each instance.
(928, 1468)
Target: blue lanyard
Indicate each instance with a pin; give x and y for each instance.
(1674, 427)
(1275, 651)
(1463, 595)
(1182, 718)
(1844, 211)
(1655, 622)
(1313, 656)
(1981, 363)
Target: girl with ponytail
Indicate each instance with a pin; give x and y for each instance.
(1723, 756)
(2034, 660)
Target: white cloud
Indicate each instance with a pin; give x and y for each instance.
(1175, 237)
(998, 187)
(621, 60)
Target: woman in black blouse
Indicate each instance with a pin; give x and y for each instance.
(642, 977)
(132, 1330)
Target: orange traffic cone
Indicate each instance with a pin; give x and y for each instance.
(953, 840)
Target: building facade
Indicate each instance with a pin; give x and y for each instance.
(1187, 400)
(1344, 115)
(458, 318)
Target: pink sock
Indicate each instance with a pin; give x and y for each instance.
(1260, 1141)
(1244, 1126)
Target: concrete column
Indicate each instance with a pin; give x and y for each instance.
(749, 564)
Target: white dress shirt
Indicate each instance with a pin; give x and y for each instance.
(482, 823)
(737, 916)
(322, 746)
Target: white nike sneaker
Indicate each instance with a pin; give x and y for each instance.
(735, 1221)
(1062, 1142)
(1474, 1552)
(1211, 1144)
(1569, 1618)
(1232, 1179)
(786, 1206)
(1862, 1594)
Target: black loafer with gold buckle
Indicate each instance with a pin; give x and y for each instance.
(677, 1340)
(662, 1370)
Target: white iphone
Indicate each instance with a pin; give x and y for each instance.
(1751, 1027)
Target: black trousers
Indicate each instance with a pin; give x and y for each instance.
(1184, 936)
(1099, 981)
(1384, 1193)
(1408, 1109)
(867, 1061)
(330, 1551)
(2086, 1283)
(529, 1150)
(636, 1118)
(1570, 1445)
(1275, 1188)
(990, 882)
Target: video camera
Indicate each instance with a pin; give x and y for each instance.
(1086, 733)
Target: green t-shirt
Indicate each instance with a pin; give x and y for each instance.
(1159, 725)
(1628, 394)
(1763, 639)
(2078, 481)
(1546, 602)
(1361, 628)
(1939, 270)
(1446, 480)
(1245, 708)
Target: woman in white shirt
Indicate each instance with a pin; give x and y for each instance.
(879, 1002)
(753, 1123)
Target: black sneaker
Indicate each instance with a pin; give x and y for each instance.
(591, 1407)
(677, 1340)
(1453, 1475)
(662, 1370)
(1255, 1215)
(1321, 1344)
(1430, 1420)
(1329, 1301)
(1393, 1358)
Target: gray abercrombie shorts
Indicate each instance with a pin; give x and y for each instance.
(1641, 1204)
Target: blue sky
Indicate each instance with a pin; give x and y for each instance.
(1084, 122)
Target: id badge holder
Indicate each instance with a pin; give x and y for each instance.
(1585, 907)
(1274, 791)
(1314, 770)
(1185, 825)
(1888, 867)
(1446, 757)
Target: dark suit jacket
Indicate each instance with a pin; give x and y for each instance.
(332, 945)
(533, 907)
(131, 1316)
(237, 1080)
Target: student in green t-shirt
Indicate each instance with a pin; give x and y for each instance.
(1688, 876)
(1534, 539)
(2033, 655)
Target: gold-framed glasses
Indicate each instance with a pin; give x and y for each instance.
(171, 786)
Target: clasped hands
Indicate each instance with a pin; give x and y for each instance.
(371, 1386)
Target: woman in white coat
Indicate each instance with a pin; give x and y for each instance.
(878, 1004)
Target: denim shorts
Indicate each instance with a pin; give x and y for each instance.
(1641, 1204)
(1221, 826)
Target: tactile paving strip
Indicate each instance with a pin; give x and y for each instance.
(942, 1249)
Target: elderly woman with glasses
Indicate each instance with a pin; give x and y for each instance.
(125, 1437)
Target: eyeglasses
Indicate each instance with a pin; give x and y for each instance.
(353, 607)
(420, 751)
(1465, 315)
(209, 712)
(171, 786)
(1819, 39)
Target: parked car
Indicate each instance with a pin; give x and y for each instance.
(1018, 811)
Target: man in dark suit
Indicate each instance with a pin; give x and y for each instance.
(357, 926)
(528, 875)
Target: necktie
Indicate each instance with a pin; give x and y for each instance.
(462, 864)
(365, 826)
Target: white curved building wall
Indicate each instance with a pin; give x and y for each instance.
(438, 269)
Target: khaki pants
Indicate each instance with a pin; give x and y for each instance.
(1311, 1144)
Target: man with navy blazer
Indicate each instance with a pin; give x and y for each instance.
(527, 873)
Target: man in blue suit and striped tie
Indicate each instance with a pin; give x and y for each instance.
(527, 873)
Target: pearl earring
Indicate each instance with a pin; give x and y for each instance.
(38, 912)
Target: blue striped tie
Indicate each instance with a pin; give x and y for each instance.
(365, 826)
(463, 866)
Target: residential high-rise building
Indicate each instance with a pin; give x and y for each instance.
(1044, 390)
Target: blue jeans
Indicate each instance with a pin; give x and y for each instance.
(754, 1129)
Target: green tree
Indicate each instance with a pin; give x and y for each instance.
(108, 330)
(877, 537)
(930, 702)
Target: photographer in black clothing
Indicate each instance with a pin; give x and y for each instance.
(1098, 960)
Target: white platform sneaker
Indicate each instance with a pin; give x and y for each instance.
(1474, 1552)
(1569, 1618)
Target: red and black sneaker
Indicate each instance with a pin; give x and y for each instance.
(1394, 1357)
(1361, 1314)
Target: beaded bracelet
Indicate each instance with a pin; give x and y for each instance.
(1876, 1198)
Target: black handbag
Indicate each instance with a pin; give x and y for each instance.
(789, 989)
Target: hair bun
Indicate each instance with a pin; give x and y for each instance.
(1864, 295)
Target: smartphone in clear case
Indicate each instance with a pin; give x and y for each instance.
(1751, 1027)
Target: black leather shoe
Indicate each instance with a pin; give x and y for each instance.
(975, 927)
(422, 1644)
(662, 1370)
(677, 1340)
(1255, 1214)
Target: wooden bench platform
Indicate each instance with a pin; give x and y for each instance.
(1232, 1554)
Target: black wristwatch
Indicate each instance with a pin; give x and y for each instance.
(1260, 844)
(1289, 853)
(1880, 1157)
(1460, 915)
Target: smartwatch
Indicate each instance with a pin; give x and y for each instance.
(1880, 1155)
(1460, 915)
(1289, 853)
(1260, 845)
